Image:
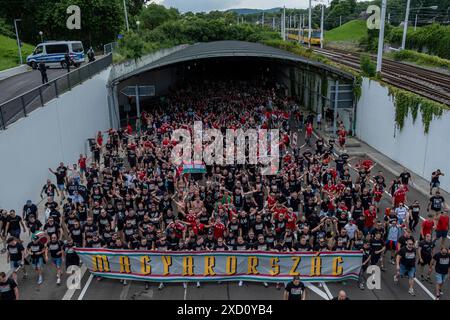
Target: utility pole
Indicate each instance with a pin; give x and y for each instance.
(262, 21)
(321, 27)
(309, 24)
(126, 15)
(340, 21)
(18, 40)
(415, 23)
(405, 24)
(381, 36)
(295, 21)
(273, 23)
(283, 25)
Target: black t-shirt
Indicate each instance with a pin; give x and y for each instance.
(14, 223)
(15, 252)
(442, 263)
(436, 202)
(295, 291)
(36, 249)
(7, 290)
(407, 257)
(404, 177)
(54, 248)
(426, 249)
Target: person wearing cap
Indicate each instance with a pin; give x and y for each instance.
(295, 290)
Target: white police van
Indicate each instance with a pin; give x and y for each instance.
(53, 52)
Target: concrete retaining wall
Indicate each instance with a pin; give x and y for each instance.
(411, 147)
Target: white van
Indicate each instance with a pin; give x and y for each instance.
(53, 52)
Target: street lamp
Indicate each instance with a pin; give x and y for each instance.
(18, 40)
(41, 34)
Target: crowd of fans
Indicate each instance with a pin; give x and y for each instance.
(128, 194)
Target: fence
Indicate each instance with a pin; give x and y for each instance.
(110, 48)
(19, 107)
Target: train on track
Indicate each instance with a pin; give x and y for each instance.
(302, 36)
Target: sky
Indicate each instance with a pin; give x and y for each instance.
(208, 5)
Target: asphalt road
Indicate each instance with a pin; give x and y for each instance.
(21, 83)
(92, 289)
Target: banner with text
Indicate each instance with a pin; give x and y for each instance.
(181, 266)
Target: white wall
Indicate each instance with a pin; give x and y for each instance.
(58, 132)
(411, 147)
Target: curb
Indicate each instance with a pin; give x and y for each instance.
(9, 73)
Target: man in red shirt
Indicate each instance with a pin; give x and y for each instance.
(427, 227)
(369, 221)
(82, 165)
(399, 196)
(442, 227)
(218, 228)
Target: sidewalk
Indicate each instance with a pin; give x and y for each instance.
(357, 148)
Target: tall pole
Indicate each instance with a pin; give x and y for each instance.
(321, 27)
(295, 21)
(300, 30)
(273, 23)
(262, 20)
(283, 25)
(405, 24)
(336, 96)
(309, 24)
(18, 40)
(126, 15)
(340, 21)
(138, 108)
(381, 36)
(415, 23)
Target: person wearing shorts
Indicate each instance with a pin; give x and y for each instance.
(37, 250)
(16, 255)
(406, 264)
(441, 262)
(442, 226)
(55, 246)
(425, 253)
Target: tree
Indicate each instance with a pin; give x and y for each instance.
(154, 15)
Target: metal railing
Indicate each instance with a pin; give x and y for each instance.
(110, 48)
(19, 107)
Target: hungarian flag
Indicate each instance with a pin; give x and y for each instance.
(194, 168)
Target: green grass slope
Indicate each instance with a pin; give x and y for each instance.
(9, 54)
(351, 31)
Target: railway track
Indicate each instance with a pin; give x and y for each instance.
(428, 83)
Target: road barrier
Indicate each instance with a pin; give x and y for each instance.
(21, 106)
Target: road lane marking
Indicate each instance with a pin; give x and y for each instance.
(70, 292)
(86, 286)
(316, 290)
(328, 292)
(425, 289)
(125, 290)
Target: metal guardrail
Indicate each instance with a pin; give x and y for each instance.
(110, 48)
(19, 107)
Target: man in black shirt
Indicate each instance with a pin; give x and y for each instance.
(29, 209)
(406, 264)
(13, 224)
(8, 288)
(295, 290)
(436, 202)
(441, 261)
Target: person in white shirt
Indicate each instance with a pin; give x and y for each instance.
(401, 211)
(351, 229)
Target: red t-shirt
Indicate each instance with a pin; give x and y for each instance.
(399, 196)
(370, 217)
(309, 130)
(218, 230)
(427, 227)
(442, 224)
(82, 163)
